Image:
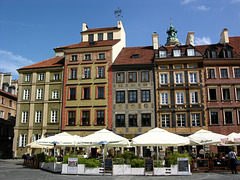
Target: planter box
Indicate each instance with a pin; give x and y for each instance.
(51, 166)
(92, 171)
(81, 169)
(137, 171)
(122, 170)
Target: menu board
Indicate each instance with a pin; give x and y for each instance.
(108, 165)
(149, 165)
(72, 165)
(183, 165)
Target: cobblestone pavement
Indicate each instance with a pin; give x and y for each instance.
(13, 169)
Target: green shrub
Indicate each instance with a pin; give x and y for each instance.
(82, 160)
(93, 163)
(41, 157)
(171, 159)
(137, 163)
(52, 159)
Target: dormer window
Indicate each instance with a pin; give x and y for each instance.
(100, 36)
(90, 37)
(134, 56)
(211, 52)
(176, 53)
(190, 52)
(162, 54)
(226, 52)
(110, 36)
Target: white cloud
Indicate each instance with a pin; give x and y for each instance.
(10, 62)
(187, 1)
(202, 41)
(203, 8)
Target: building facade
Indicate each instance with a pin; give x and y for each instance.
(179, 79)
(133, 92)
(87, 93)
(39, 105)
(7, 122)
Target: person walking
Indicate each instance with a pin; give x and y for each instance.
(233, 157)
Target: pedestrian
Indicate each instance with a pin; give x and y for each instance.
(233, 158)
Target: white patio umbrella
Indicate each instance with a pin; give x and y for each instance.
(35, 145)
(234, 138)
(204, 137)
(159, 137)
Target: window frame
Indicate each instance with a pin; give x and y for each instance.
(74, 57)
(110, 36)
(88, 118)
(71, 119)
(73, 73)
(99, 93)
(234, 73)
(163, 99)
(147, 118)
(224, 116)
(163, 77)
(86, 96)
(121, 98)
(41, 76)
(122, 121)
(86, 73)
(55, 94)
(181, 98)
(70, 96)
(134, 96)
(87, 57)
(182, 120)
(227, 72)
(132, 121)
(102, 56)
(145, 76)
(27, 77)
(54, 116)
(195, 120)
(210, 117)
(122, 77)
(38, 116)
(179, 77)
(96, 120)
(193, 77)
(132, 80)
(39, 94)
(223, 93)
(148, 98)
(193, 99)
(216, 93)
(100, 72)
(165, 120)
(26, 94)
(24, 117)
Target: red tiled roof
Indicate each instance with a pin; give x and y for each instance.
(90, 44)
(101, 29)
(235, 43)
(8, 94)
(146, 55)
(53, 62)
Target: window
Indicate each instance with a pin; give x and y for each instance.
(163, 67)
(90, 37)
(72, 93)
(27, 77)
(195, 119)
(190, 52)
(176, 53)
(132, 120)
(165, 118)
(26, 94)
(120, 96)
(224, 73)
(36, 137)
(164, 98)
(120, 120)
(100, 92)
(193, 77)
(22, 140)
(54, 114)
(228, 119)
(71, 118)
(87, 57)
(145, 95)
(110, 36)
(214, 117)
(55, 94)
(134, 56)
(87, 73)
(132, 77)
(101, 56)
(74, 58)
(86, 93)
(194, 98)
(132, 96)
(192, 66)
(3, 100)
(145, 76)
(73, 73)
(181, 120)
(180, 98)
(41, 76)
(178, 78)
(100, 36)
(120, 77)
(237, 93)
(24, 116)
(178, 67)
(85, 118)
(212, 94)
(100, 118)
(164, 78)
(1, 114)
(38, 116)
(39, 93)
(226, 94)
(211, 74)
(56, 77)
(162, 54)
(146, 119)
(10, 103)
(101, 72)
(236, 72)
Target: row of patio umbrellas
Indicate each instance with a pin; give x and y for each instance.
(154, 137)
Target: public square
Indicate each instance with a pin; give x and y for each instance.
(14, 169)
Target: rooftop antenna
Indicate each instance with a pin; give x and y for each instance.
(118, 13)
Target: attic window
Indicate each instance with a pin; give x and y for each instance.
(162, 54)
(190, 52)
(176, 53)
(134, 56)
(92, 43)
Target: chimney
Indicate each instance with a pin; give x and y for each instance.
(190, 38)
(84, 27)
(224, 36)
(155, 41)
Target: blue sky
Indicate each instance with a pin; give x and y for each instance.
(30, 29)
